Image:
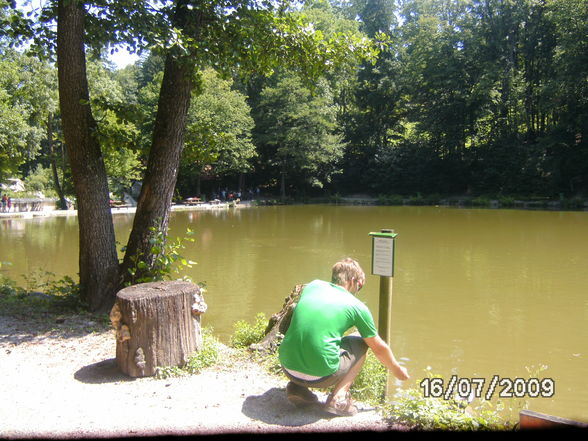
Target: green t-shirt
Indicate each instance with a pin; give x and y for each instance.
(324, 313)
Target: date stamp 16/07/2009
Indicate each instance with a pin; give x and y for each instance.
(465, 388)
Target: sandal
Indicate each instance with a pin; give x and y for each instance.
(341, 408)
(300, 396)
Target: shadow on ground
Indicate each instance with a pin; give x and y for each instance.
(106, 371)
(274, 408)
(31, 326)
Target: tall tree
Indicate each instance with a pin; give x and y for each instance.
(14, 115)
(98, 256)
(297, 129)
(253, 35)
(377, 101)
(218, 134)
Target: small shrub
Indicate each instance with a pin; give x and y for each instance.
(168, 259)
(245, 334)
(370, 384)
(412, 408)
(10, 293)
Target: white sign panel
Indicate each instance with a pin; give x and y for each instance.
(383, 256)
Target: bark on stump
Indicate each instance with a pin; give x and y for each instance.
(157, 324)
(278, 323)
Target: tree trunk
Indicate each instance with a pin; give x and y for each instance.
(157, 325)
(283, 183)
(62, 204)
(98, 257)
(154, 204)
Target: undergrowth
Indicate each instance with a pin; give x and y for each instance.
(245, 333)
(42, 292)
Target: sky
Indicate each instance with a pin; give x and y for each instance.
(122, 58)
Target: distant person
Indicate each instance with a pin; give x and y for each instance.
(4, 201)
(315, 352)
(9, 203)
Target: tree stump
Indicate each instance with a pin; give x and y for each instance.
(157, 324)
(278, 323)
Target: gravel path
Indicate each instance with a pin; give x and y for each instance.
(60, 380)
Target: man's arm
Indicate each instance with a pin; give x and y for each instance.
(383, 353)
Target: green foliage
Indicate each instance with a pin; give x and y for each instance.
(411, 408)
(464, 97)
(218, 132)
(167, 258)
(41, 291)
(207, 356)
(480, 201)
(370, 384)
(245, 333)
(392, 199)
(17, 136)
(297, 131)
(40, 180)
(118, 134)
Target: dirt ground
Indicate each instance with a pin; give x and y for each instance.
(59, 379)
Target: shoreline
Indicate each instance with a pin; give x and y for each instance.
(118, 210)
(580, 205)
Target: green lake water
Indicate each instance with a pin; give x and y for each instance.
(477, 293)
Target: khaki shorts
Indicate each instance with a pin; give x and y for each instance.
(353, 348)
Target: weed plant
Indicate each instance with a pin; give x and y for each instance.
(370, 385)
(411, 408)
(168, 259)
(245, 333)
(43, 293)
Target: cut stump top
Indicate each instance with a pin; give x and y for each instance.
(156, 289)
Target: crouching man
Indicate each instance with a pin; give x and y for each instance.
(316, 354)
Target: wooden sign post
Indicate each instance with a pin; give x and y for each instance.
(383, 266)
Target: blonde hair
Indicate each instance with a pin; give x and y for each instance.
(346, 270)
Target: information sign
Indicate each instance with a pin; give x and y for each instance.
(383, 254)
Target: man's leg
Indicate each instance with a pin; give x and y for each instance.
(341, 389)
(339, 401)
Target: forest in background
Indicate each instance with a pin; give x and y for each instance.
(466, 97)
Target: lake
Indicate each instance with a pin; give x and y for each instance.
(477, 293)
